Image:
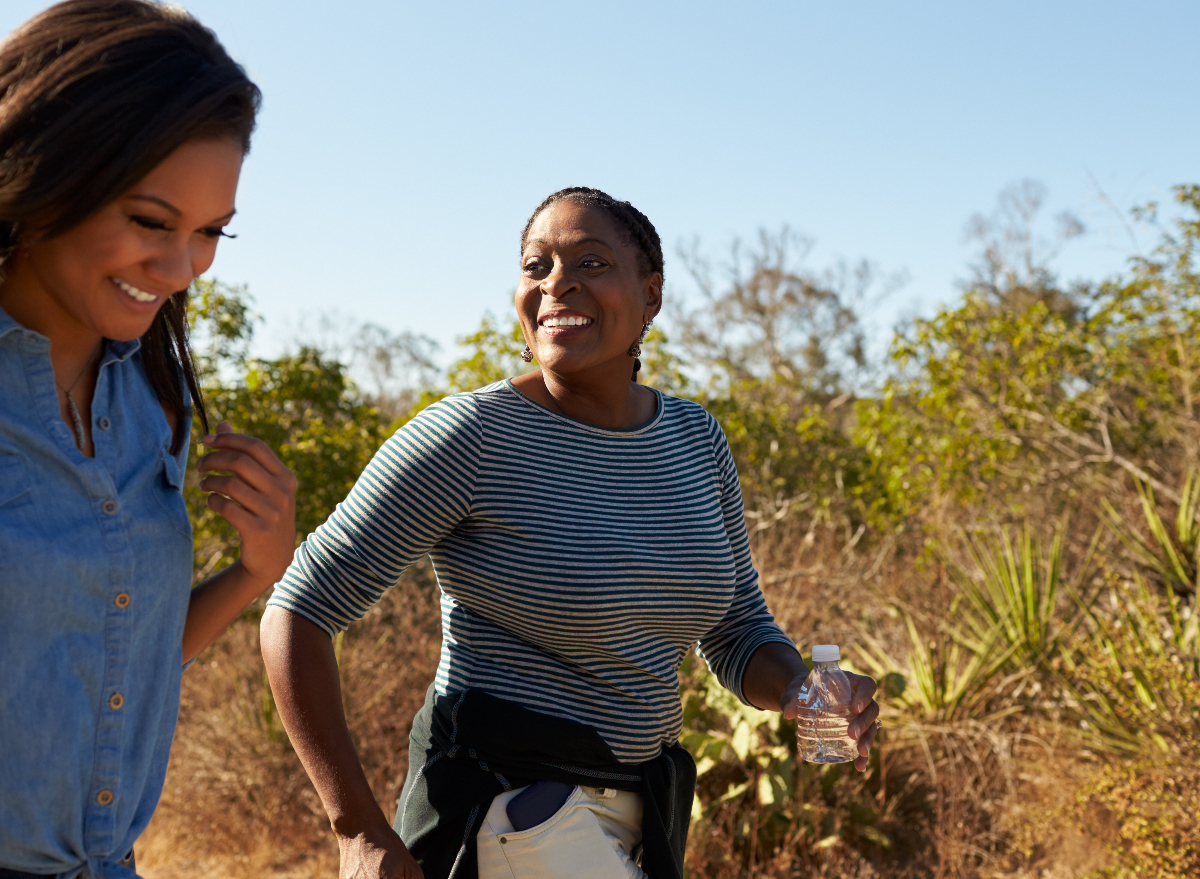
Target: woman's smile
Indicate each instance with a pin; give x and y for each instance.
(563, 324)
(141, 297)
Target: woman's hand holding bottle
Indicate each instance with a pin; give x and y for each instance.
(863, 709)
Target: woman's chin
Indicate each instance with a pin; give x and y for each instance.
(125, 330)
(589, 369)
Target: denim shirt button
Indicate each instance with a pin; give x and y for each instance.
(103, 423)
(104, 797)
(122, 600)
(110, 508)
(116, 702)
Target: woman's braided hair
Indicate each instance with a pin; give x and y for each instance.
(636, 228)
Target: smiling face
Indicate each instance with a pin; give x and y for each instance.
(582, 298)
(111, 274)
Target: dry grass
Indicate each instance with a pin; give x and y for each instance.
(236, 801)
(962, 799)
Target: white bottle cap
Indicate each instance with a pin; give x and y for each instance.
(826, 653)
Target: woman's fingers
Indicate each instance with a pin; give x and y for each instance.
(247, 468)
(865, 742)
(865, 722)
(862, 728)
(236, 489)
(247, 445)
(256, 494)
(251, 485)
(232, 512)
(867, 739)
(862, 692)
(253, 463)
(789, 704)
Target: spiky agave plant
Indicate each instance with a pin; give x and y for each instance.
(1170, 558)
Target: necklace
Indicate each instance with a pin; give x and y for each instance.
(76, 418)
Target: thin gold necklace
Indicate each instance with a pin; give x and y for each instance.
(76, 418)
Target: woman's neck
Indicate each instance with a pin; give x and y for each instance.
(615, 405)
(73, 345)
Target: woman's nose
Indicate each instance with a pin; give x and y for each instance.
(558, 283)
(172, 265)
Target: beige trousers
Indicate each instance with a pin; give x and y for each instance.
(592, 836)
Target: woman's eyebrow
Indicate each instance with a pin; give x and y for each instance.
(589, 240)
(161, 202)
(576, 243)
(167, 205)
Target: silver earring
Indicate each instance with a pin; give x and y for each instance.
(527, 355)
(635, 350)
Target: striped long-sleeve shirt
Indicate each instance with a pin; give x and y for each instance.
(577, 565)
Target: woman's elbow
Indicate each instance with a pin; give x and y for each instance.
(277, 636)
(285, 636)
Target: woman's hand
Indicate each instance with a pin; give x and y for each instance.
(259, 500)
(376, 855)
(773, 679)
(862, 703)
(304, 678)
(256, 494)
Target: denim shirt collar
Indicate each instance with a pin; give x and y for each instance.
(12, 332)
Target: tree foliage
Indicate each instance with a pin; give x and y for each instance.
(303, 405)
(1004, 395)
(1024, 399)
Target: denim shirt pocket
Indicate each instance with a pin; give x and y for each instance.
(169, 494)
(16, 487)
(21, 525)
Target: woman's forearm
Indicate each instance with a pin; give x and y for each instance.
(304, 678)
(216, 603)
(771, 673)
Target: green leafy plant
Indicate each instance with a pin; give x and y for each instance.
(1168, 556)
(944, 679)
(1136, 675)
(1153, 806)
(1014, 588)
(722, 732)
(748, 773)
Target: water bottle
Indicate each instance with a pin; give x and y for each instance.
(825, 713)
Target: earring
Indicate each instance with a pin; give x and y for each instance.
(527, 355)
(635, 350)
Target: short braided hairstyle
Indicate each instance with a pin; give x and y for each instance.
(636, 229)
(634, 225)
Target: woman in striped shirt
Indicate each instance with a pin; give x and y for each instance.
(586, 531)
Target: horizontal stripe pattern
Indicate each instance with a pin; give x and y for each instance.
(577, 565)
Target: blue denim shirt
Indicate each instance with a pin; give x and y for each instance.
(95, 575)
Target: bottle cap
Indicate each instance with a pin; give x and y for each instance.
(826, 653)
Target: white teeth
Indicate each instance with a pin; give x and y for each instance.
(139, 295)
(552, 322)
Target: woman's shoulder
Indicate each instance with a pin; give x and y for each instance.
(453, 413)
(683, 410)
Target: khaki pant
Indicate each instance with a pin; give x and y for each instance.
(592, 836)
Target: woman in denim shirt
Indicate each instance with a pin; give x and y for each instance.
(123, 125)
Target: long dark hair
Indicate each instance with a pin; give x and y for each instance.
(93, 95)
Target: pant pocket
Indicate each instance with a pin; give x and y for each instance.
(570, 843)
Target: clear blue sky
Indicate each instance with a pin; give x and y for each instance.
(401, 146)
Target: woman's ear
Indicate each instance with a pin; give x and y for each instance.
(654, 299)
